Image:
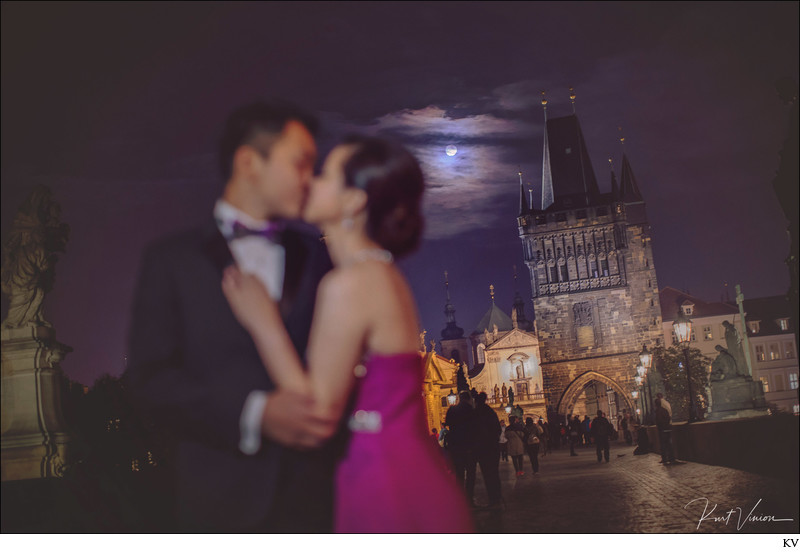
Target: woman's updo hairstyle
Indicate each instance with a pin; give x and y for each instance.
(394, 184)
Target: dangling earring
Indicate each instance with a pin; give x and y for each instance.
(347, 223)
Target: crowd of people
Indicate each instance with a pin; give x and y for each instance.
(473, 436)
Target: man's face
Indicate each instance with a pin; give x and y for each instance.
(284, 176)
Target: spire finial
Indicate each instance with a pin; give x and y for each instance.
(572, 98)
(622, 139)
(611, 163)
(491, 291)
(544, 104)
(447, 286)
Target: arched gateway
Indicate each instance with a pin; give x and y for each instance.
(574, 390)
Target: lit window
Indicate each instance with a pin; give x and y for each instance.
(688, 309)
(783, 324)
(788, 350)
(760, 353)
(793, 380)
(774, 351)
(765, 383)
(708, 335)
(796, 409)
(754, 326)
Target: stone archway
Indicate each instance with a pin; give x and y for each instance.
(574, 390)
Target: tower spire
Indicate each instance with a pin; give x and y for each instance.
(451, 331)
(523, 200)
(518, 310)
(547, 174)
(614, 186)
(491, 292)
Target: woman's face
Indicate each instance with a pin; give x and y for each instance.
(327, 190)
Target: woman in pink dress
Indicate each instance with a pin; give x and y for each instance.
(363, 344)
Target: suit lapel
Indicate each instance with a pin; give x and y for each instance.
(216, 248)
(296, 256)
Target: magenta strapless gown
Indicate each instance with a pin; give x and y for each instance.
(393, 478)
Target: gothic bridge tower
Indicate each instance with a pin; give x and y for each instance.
(590, 259)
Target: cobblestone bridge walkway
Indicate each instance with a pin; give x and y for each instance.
(635, 494)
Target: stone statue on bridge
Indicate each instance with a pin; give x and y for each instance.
(29, 258)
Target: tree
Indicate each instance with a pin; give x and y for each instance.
(670, 365)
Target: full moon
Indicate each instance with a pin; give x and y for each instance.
(451, 150)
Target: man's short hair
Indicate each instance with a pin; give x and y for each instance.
(262, 119)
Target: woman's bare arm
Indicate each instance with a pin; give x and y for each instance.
(335, 344)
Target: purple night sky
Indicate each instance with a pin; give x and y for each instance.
(117, 107)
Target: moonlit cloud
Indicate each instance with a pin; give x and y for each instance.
(478, 175)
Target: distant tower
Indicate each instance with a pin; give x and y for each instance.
(454, 345)
(593, 280)
(519, 308)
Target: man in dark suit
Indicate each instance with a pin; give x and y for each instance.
(195, 369)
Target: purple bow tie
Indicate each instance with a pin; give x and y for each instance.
(272, 232)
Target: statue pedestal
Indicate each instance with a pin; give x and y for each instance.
(737, 397)
(34, 439)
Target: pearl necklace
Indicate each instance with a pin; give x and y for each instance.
(371, 254)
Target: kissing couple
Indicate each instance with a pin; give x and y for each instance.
(287, 366)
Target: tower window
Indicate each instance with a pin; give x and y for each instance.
(553, 274)
(564, 273)
(569, 251)
(604, 266)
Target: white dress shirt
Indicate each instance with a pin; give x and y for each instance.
(267, 261)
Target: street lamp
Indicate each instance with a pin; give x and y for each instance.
(451, 398)
(683, 332)
(642, 371)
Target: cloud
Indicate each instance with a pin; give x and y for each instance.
(482, 173)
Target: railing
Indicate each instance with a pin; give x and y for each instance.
(521, 397)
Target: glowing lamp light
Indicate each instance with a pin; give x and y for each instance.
(451, 398)
(683, 328)
(641, 370)
(635, 394)
(638, 380)
(646, 357)
(508, 410)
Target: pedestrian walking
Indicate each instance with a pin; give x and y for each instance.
(587, 430)
(574, 434)
(487, 447)
(532, 444)
(601, 433)
(460, 418)
(625, 424)
(515, 434)
(503, 441)
(544, 431)
(664, 425)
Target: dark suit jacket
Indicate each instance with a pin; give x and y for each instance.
(192, 365)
